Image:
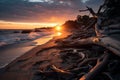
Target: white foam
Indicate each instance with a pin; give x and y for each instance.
(19, 37)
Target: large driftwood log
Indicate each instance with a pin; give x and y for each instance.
(107, 42)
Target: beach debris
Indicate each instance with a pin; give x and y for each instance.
(88, 53)
(101, 63)
(91, 52)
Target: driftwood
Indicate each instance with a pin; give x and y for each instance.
(83, 71)
(97, 41)
(86, 61)
(101, 63)
(90, 10)
(107, 75)
(59, 70)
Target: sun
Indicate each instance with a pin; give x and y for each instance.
(58, 28)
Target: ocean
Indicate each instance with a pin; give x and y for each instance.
(14, 43)
(20, 36)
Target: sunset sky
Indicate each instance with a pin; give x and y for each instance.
(36, 13)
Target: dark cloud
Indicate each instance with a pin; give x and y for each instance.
(42, 10)
(94, 3)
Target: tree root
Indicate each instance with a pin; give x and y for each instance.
(101, 63)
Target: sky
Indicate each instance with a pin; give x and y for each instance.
(49, 12)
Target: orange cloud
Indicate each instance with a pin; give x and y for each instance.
(20, 25)
(53, 19)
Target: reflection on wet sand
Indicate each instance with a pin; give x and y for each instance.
(11, 52)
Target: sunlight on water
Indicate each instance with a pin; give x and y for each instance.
(59, 33)
(12, 52)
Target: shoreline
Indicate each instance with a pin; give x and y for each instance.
(12, 52)
(20, 68)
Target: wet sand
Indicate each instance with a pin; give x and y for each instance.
(19, 69)
(22, 68)
(11, 52)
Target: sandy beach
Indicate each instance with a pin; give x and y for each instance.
(11, 52)
(85, 45)
(20, 68)
(67, 57)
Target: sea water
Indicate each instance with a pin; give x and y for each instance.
(13, 45)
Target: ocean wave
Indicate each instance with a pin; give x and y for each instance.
(12, 38)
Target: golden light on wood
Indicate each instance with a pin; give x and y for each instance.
(58, 28)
